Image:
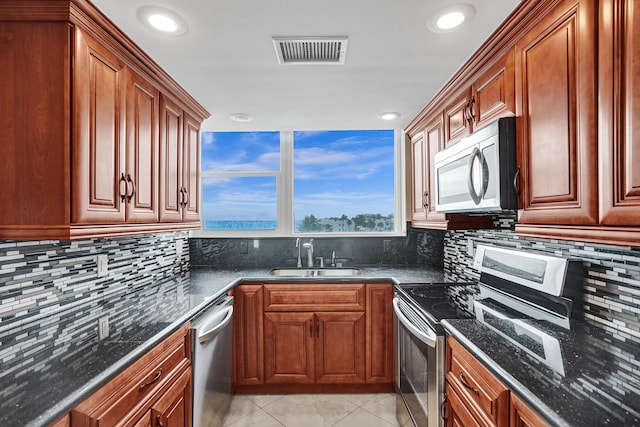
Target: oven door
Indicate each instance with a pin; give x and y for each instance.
(419, 368)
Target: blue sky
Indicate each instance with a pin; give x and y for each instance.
(335, 173)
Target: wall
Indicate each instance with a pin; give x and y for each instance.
(611, 282)
(417, 248)
(52, 297)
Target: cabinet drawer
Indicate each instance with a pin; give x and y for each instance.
(314, 297)
(457, 414)
(483, 394)
(125, 398)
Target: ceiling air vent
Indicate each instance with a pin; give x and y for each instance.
(311, 50)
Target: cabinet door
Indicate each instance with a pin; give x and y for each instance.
(523, 416)
(340, 348)
(99, 182)
(289, 348)
(142, 150)
(419, 173)
(556, 89)
(619, 121)
(379, 333)
(191, 170)
(171, 132)
(494, 93)
(456, 118)
(145, 420)
(425, 145)
(173, 408)
(434, 142)
(248, 335)
(457, 414)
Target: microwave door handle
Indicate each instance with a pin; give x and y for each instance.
(476, 197)
(427, 338)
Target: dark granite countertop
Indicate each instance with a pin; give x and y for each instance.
(62, 374)
(593, 380)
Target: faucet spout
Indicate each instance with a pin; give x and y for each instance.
(309, 247)
(299, 265)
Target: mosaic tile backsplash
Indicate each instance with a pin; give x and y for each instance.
(51, 295)
(611, 285)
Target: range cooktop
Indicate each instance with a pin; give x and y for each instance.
(435, 301)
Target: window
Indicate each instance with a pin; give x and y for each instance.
(262, 184)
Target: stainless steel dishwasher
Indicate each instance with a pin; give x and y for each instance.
(211, 362)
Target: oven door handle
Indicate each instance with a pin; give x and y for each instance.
(427, 338)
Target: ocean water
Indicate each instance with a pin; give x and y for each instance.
(240, 225)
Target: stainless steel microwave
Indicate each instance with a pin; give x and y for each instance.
(478, 174)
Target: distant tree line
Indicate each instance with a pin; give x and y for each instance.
(360, 222)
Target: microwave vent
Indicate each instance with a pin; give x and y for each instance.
(311, 50)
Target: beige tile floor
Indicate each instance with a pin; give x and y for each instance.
(313, 410)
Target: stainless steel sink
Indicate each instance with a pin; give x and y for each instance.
(316, 272)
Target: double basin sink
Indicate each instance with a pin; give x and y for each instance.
(315, 272)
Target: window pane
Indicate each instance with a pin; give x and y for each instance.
(240, 151)
(239, 203)
(344, 181)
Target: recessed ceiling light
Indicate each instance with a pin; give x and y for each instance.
(451, 17)
(391, 115)
(240, 117)
(163, 20)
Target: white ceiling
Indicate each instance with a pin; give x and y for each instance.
(226, 60)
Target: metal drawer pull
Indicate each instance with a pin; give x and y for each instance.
(159, 422)
(153, 380)
(467, 385)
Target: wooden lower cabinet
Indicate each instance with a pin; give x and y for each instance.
(306, 348)
(173, 408)
(248, 335)
(457, 414)
(313, 337)
(475, 397)
(522, 415)
(154, 391)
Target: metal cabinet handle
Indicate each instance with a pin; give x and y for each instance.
(153, 380)
(186, 196)
(123, 187)
(476, 197)
(425, 199)
(131, 188)
(516, 181)
(472, 116)
(159, 422)
(465, 113)
(464, 382)
(311, 328)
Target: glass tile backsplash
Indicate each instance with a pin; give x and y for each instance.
(52, 296)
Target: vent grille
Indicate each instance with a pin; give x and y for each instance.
(310, 50)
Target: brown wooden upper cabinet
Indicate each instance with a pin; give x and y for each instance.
(566, 71)
(556, 99)
(489, 97)
(424, 145)
(179, 164)
(619, 114)
(80, 122)
(587, 146)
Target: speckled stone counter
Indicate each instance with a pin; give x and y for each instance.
(59, 376)
(595, 380)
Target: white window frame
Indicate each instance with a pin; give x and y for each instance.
(284, 197)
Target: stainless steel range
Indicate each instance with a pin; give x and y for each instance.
(512, 283)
